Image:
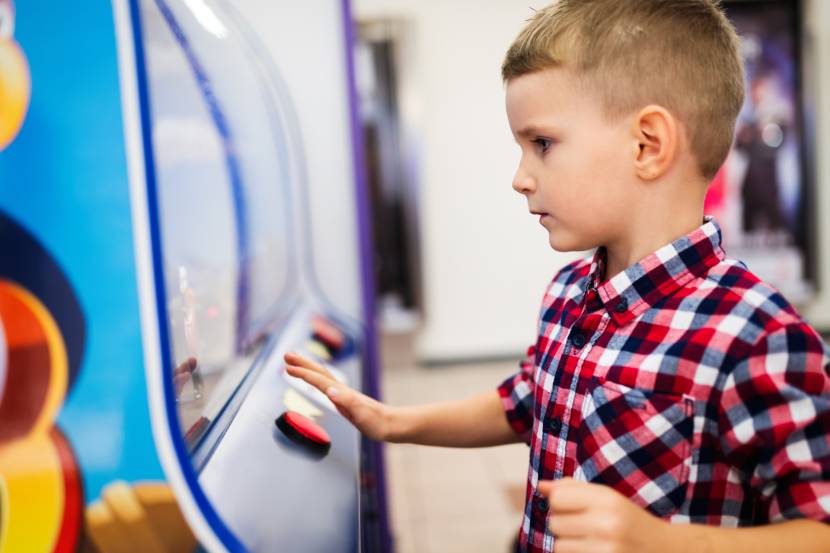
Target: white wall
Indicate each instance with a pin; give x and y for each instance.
(486, 260)
(818, 35)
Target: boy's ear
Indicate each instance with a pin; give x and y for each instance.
(655, 141)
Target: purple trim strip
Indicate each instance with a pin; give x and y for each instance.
(371, 374)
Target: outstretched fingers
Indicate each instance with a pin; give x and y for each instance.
(320, 381)
(343, 397)
(300, 361)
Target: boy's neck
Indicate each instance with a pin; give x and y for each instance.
(649, 231)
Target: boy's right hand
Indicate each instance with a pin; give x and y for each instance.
(369, 416)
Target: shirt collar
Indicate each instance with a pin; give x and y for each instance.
(658, 275)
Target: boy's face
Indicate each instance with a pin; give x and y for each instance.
(576, 168)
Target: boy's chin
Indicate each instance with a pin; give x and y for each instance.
(565, 242)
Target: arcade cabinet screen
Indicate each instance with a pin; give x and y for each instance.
(220, 186)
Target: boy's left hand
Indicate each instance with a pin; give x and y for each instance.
(591, 517)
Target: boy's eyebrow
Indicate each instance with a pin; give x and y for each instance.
(533, 130)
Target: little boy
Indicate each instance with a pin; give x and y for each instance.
(668, 384)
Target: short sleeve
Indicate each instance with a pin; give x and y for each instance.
(774, 423)
(517, 397)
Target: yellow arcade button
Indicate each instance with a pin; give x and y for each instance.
(318, 350)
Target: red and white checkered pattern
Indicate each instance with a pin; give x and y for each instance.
(684, 382)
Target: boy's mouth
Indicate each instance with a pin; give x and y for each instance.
(541, 215)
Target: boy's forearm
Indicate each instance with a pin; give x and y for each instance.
(478, 421)
(804, 536)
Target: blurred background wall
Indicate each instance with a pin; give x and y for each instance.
(817, 79)
(484, 259)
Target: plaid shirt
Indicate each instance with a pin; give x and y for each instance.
(685, 383)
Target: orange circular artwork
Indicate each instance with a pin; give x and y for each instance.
(35, 365)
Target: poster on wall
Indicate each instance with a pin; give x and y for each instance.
(761, 195)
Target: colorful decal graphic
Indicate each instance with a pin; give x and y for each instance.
(143, 517)
(43, 334)
(15, 82)
(41, 494)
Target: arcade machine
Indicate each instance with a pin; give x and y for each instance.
(198, 212)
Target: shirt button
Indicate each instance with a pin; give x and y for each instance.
(543, 505)
(622, 306)
(578, 339)
(555, 426)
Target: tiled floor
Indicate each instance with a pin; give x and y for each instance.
(449, 500)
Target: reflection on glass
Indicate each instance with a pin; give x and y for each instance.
(222, 191)
(188, 372)
(184, 374)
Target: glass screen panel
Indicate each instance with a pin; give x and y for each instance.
(223, 201)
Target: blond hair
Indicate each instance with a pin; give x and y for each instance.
(680, 54)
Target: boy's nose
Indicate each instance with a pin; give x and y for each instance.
(523, 183)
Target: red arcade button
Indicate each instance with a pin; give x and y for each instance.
(327, 333)
(304, 431)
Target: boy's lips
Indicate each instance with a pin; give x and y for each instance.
(541, 215)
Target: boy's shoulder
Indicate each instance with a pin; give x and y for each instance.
(746, 310)
(733, 285)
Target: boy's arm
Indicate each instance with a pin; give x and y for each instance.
(591, 517)
(478, 421)
(474, 422)
(804, 536)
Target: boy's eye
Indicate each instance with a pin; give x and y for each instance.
(543, 144)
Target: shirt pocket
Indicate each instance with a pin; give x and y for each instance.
(638, 442)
